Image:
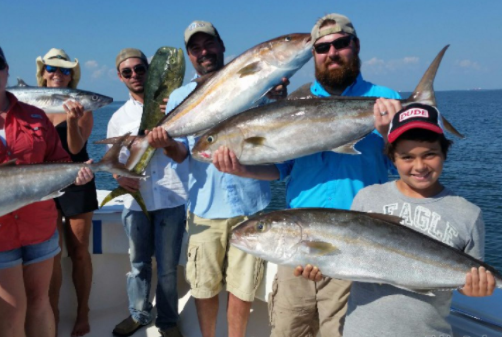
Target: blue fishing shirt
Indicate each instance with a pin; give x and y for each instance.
(213, 194)
(329, 179)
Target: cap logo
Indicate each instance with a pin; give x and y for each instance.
(195, 25)
(411, 113)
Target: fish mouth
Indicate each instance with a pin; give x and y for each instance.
(204, 155)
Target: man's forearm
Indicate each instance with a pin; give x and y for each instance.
(177, 152)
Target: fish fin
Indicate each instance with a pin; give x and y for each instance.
(117, 140)
(451, 128)
(319, 248)
(386, 217)
(424, 92)
(426, 292)
(139, 199)
(11, 162)
(347, 148)
(110, 161)
(61, 97)
(53, 195)
(250, 69)
(255, 141)
(121, 191)
(21, 83)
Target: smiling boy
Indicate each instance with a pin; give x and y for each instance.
(418, 148)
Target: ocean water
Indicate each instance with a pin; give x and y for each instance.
(473, 168)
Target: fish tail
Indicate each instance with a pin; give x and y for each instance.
(424, 92)
(122, 191)
(110, 161)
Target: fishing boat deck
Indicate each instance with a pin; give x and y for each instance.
(108, 301)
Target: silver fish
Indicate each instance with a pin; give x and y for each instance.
(51, 99)
(21, 185)
(236, 87)
(357, 246)
(294, 128)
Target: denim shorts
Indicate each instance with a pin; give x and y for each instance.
(30, 254)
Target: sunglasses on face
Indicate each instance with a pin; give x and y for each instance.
(139, 69)
(339, 44)
(3, 64)
(64, 71)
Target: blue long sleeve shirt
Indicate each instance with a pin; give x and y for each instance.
(213, 194)
(329, 179)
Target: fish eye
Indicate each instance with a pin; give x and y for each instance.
(210, 139)
(287, 38)
(260, 226)
(94, 97)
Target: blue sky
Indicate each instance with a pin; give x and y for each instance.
(398, 38)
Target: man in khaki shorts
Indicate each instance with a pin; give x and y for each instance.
(217, 202)
(297, 306)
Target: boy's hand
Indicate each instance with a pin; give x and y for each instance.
(309, 272)
(478, 283)
(383, 110)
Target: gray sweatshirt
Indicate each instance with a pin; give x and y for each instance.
(384, 310)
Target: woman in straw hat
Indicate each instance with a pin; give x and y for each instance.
(28, 235)
(74, 127)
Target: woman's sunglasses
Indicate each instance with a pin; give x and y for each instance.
(64, 71)
(3, 64)
(341, 43)
(139, 69)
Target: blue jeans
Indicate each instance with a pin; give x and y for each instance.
(161, 236)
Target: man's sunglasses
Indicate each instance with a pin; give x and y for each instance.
(339, 44)
(64, 71)
(139, 69)
(3, 64)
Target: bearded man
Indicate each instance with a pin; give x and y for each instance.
(298, 307)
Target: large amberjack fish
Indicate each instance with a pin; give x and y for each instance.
(51, 99)
(298, 127)
(165, 73)
(357, 246)
(236, 87)
(25, 184)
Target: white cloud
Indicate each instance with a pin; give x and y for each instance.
(467, 64)
(379, 66)
(411, 60)
(91, 64)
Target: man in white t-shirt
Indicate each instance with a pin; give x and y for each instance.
(164, 193)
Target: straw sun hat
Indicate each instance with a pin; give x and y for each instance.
(57, 58)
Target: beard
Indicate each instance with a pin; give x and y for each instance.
(339, 78)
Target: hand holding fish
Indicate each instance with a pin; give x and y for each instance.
(85, 175)
(163, 106)
(478, 283)
(129, 184)
(383, 110)
(310, 272)
(280, 91)
(74, 110)
(226, 161)
(159, 138)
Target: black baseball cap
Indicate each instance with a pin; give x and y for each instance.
(415, 116)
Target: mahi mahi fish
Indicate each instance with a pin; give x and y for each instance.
(165, 73)
(51, 99)
(21, 185)
(357, 246)
(298, 127)
(236, 87)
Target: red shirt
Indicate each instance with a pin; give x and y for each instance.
(31, 138)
